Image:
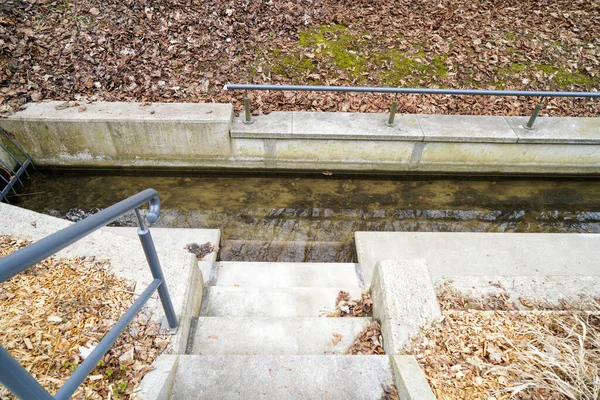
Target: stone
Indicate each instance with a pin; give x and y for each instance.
(410, 380)
(404, 300)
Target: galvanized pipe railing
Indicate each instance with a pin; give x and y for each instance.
(12, 374)
(390, 122)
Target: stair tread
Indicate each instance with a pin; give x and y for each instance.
(281, 377)
(273, 302)
(275, 336)
(280, 274)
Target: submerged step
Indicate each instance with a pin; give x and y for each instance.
(273, 302)
(276, 336)
(279, 274)
(281, 377)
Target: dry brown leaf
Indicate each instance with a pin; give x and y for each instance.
(336, 338)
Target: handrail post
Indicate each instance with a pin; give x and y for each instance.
(536, 111)
(150, 252)
(247, 113)
(393, 112)
(18, 380)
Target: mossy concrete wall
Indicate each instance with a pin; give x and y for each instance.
(122, 134)
(207, 136)
(5, 158)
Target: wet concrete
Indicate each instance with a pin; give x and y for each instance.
(283, 217)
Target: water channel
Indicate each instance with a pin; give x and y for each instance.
(312, 218)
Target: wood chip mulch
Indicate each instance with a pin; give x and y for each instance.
(53, 314)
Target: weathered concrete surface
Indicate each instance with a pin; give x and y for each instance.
(513, 158)
(557, 130)
(123, 132)
(483, 254)
(275, 336)
(328, 126)
(127, 258)
(466, 128)
(403, 300)
(157, 384)
(198, 136)
(410, 380)
(5, 158)
(282, 377)
(579, 291)
(259, 274)
(178, 239)
(273, 302)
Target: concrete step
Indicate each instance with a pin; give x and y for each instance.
(275, 336)
(259, 274)
(272, 302)
(304, 377)
(298, 248)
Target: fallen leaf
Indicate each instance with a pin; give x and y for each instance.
(494, 353)
(336, 338)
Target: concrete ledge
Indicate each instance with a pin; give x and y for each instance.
(466, 128)
(484, 254)
(403, 300)
(201, 136)
(178, 239)
(157, 384)
(328, 126)
(416, 128)
(410, 380)
(557, 130)
(122, 131)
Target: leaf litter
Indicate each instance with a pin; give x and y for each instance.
(499, 353)
(346, 307)
(55, 313)
(186, 50)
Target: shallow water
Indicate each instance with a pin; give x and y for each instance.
(281, 217)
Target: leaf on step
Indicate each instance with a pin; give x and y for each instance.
(213, 337)
(289, 385)
(271, 373)
(286, 368)
(336, 338)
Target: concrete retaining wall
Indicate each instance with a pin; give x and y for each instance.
(4, 156)
(206, 136)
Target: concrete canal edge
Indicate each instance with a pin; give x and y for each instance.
(208, 136)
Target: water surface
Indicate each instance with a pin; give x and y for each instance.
(281, 217)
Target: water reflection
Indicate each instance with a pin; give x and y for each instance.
(313, 218)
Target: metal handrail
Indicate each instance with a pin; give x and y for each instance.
(12, 374)
(398, 90)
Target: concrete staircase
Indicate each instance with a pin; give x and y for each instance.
(263, 333)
